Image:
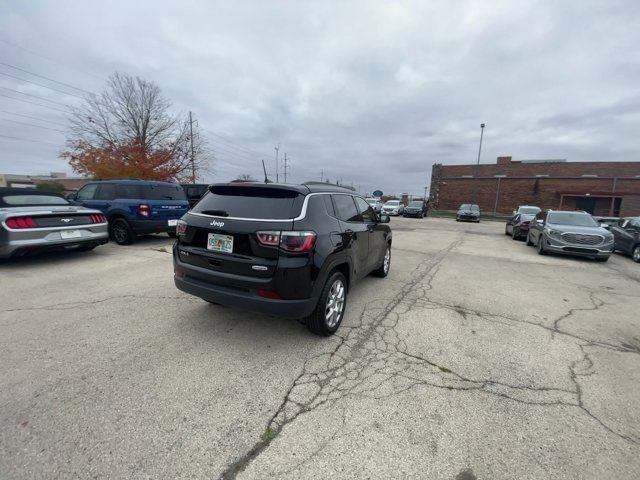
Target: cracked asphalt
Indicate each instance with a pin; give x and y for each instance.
(475, 358)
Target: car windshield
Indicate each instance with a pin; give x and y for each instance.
(415, 204)
(575, 219)
(32, 199)
(528, 210)
(393, 203)
(468, 206)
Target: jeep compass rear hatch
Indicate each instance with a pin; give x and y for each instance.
(238, 229)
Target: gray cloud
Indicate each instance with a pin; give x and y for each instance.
(370, 92)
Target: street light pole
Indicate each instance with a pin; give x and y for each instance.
(475, 190)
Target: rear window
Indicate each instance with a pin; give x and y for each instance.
(28, 200)
(262, 203)
(163, 192)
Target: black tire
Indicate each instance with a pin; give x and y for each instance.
(540, 246)
(514, 236)
(635, 254)
(317, 322)
(121, 232)
(529, 242)
(172, 234)
(383, 270)
(457, 220)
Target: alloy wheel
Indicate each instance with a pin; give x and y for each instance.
(636, 254)
(335, 303)
(387, 260)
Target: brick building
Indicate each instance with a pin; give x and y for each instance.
(600, 188)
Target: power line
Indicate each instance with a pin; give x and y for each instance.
(47, 78)
(35, 96)
(28, 140)
(34, 103)
(32, 118)
(49, 59)
(41, 85)
(235, 144)
(32, 125)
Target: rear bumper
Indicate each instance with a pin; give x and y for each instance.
(143, 227)
(30, 241)
(216, 288)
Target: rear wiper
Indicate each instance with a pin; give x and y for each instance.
(217, 213)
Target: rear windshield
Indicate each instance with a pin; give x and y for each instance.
(415, 204)
(195, 191)
(251, 202)
(575, 219)
(529, 210)
(150, 192)
(28, 200)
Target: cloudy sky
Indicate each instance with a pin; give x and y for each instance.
(370, 92)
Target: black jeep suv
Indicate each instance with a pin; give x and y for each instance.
(287, 250)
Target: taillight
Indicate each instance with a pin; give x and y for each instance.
(20, 222)
(181, 227)
(97, 218)
(293, 242)
(524, 224)
(144, 210)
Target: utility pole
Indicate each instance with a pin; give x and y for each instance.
(193, 154)
(286, 166)
(475, 181)
(277, 149)
(322, 175)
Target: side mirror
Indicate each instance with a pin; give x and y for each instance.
(605, 225)
(539, 221)
(385, 219)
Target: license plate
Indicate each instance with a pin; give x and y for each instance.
(220, 243)
(173, 223)
(64, 234)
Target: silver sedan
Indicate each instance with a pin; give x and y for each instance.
(33, 221)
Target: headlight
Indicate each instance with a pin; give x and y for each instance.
(608, 237)
(551, 232)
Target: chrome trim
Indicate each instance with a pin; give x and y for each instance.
(303, 211)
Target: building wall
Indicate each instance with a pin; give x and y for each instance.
(522, 187)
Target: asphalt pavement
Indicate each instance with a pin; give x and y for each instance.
(476, 358)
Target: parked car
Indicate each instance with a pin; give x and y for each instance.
(288, 250)
(393, 207)
(627, 237)
(194, 192)
(570, 233)
(417, 208)
(34, 221)
(468, 212)
(375, 203)
(527, 210)
(518, 225)
(135, 207)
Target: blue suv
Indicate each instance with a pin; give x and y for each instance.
(135, 207)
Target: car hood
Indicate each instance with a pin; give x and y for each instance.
(46, 209)
(576, 229)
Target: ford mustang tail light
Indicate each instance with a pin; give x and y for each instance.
(20, 222)
(293, 242)
(97, 218)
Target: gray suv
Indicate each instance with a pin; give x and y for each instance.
(570, 233)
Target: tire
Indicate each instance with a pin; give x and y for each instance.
(635, 254)
(383, 271)
(540, 246)
(334, 288)
(121, 232)
(529, 242)
(457, 220)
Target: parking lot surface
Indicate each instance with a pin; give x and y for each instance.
(475, 358)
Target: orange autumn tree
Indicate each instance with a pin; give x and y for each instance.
(128, 131)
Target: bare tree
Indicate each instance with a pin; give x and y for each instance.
(132, 112)
(245, 177)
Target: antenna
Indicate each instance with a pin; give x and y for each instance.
(266, 180)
